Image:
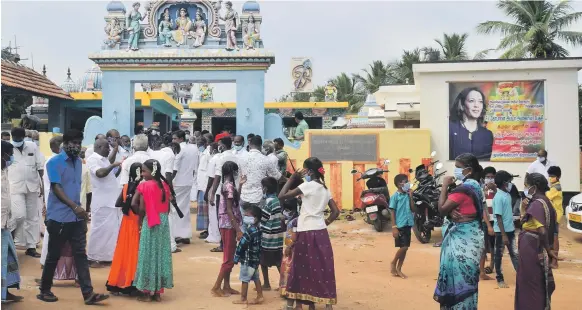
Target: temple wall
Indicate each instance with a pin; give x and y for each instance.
(405, 148)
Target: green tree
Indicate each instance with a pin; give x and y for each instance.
(348, 89)
(452, 47)
(400, 71)
(536, 29)
(374, 77)
(319, 93)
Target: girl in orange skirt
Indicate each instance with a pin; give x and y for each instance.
(124, 264)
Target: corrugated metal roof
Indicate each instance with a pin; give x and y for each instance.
(22, 77)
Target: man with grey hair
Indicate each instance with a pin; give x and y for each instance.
(269, 151)
(140, 155)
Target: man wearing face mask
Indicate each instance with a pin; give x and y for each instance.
(239, 145)
(25, 175)
(541, 164)
(201, 183)
(66, 219)
(125, 143)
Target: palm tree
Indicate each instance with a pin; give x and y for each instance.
(400, 71)
(536, 29)
(319, 93)
(375, 77)
(452, 47)
(348, 89)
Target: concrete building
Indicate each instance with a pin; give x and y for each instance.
(530, 99)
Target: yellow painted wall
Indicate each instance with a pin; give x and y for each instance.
(394, 144)
(45, 138)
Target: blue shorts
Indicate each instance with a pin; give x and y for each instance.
(248, 274)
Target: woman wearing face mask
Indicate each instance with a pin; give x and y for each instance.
(489, 190)
(535, 282)
(311, 246)
(463, 242)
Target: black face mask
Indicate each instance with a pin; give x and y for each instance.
(72, 150)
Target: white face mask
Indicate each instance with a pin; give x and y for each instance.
(541, 159)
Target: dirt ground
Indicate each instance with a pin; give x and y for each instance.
(362, 262)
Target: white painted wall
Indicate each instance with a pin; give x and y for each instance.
(561, 124)
(391, 95)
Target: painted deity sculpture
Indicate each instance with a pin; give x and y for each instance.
(230, 26)
(251, 33)
(330, 92)
(205, 92)
(183, 28)
(113, 31)
(199, 30)
(165, 30)
(134, 28)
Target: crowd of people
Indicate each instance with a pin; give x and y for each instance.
(136, 194)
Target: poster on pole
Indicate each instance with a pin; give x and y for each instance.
(301, 75)
(496, 121)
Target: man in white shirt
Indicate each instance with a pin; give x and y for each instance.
(105, 217)
(213, 231)
(201, 184)
(24, 176)
(185, 166)
(256, 167)
(541, 164)
(140, 155)
(269, 151)
(90, 150)
(165, 156)
(238, 147)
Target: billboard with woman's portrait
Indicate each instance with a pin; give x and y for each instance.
(497, 121)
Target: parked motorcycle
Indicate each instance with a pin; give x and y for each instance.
(376, 198)
(426, 198)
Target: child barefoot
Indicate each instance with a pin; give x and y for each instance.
(401, 206)
(248, 254)
(229, 222)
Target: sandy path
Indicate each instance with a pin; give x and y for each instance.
(362, 258)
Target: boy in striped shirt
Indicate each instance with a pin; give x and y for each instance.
(272, 231)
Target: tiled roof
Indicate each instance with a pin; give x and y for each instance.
(22, 77)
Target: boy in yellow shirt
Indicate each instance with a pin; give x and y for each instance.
(556, 197)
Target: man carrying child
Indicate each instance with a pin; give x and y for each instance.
(503, 224)
(401, 206)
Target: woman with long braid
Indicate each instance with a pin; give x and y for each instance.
(124, 262)
(154, 267)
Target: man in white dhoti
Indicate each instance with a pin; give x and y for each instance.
(24, 176)
(105, 217)
(184, 169)
(213, 231)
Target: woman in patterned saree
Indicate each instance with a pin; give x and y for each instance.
(463, 242)
(154, 265)
(535, 282)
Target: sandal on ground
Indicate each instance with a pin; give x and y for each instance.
(94, 298)
(95, 264)
(488, 270)
(32, 253)
(216, 250)
(47, 297)
(177, 250)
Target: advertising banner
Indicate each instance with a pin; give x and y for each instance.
(496, 121)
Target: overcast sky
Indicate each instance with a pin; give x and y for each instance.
(339, 36)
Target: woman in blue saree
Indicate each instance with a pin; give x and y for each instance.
(463, 241)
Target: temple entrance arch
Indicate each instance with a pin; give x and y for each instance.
(197, 49)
